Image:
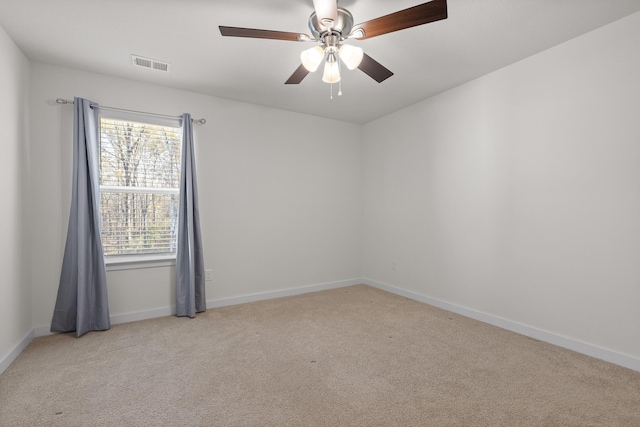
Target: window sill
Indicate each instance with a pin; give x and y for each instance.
(130, 262)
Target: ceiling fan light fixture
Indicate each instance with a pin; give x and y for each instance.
(331, 70)
(312, 58)
(351, 56)
(331, 25)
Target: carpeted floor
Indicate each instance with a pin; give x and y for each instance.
(354, 356)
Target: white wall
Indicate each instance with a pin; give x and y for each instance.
(518, 194)
(15, 289)
(281, 207)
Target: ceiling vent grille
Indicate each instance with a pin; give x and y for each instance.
(152, 64)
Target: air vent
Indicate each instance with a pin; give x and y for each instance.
(152, 64)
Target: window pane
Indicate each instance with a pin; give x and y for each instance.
(138, 223)
(139, 171)
(139, 155)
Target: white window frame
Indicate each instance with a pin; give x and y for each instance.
(135, 261)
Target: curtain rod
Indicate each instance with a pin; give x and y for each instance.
(198, 121)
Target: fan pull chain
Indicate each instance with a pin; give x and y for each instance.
(340, 81)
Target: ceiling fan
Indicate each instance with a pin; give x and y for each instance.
(331, 26)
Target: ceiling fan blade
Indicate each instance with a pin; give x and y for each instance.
(326, 12)
(374, 69)
(262, 34)
(434, 10)
(297, 76)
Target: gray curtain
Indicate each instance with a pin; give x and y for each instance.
(190, 297)
(82, 305)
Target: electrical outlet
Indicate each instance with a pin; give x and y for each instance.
(208, 275)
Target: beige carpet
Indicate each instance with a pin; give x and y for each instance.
(355, 356)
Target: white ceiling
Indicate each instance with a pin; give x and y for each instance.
(478, 37)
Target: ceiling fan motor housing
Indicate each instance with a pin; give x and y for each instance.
(342, 25)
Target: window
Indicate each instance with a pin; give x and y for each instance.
(139, 188)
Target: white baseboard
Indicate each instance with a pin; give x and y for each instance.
(142, 315)
(11, 356)
(607, 355)
(223, 302)
(41, 331)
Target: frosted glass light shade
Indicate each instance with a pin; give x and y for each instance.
(351, 56)
(312, 58)
(331, 72)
